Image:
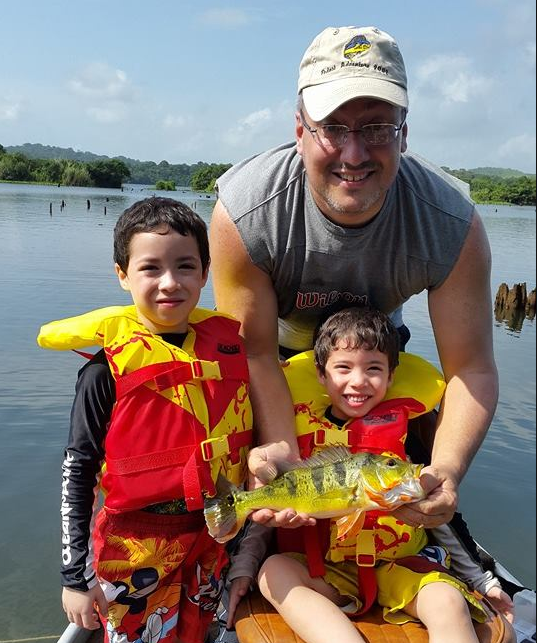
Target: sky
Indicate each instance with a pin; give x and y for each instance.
(187, 81)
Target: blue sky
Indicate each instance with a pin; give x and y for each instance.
(215, 81)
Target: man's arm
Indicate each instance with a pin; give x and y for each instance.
(246, 292)
(461, 316)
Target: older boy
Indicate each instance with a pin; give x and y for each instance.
(165, 407)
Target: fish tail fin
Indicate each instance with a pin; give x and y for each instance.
(220, 512)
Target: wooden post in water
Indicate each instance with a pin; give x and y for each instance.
(514, 304)
(530, 305)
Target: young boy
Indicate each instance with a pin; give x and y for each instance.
(356, 352)
(164, 406)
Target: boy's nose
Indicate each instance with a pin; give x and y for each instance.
(168, 281)
(358, 378)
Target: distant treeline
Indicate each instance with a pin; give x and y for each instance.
(45, 163)
(106, 173)
(500, 186)
(144, 172)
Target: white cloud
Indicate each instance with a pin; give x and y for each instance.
(256, 119)
(105, 114)
(9, 110)
(248, 127)
(225, 17)
(101, 81)
(518, 148)
(174, 121)
(452, 77)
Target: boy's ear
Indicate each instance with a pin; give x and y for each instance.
(390, 379)
(321, 377)
(122, 277)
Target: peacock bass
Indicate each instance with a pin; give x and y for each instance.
(333, 483)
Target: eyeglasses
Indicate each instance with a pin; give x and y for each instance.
(336, 135)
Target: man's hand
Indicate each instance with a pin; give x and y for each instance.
(439, 505)
(80, 606)
(263, 464)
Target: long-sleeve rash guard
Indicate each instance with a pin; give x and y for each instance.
(95, 396)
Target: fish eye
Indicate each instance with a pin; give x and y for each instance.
(229, 499)
(391, 462)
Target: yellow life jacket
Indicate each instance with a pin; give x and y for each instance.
(417, 387)
(414, 378)
(182, 415)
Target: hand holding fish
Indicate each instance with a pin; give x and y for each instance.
(262, 463)
(439, 505)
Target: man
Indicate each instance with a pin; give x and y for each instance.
(345, 214)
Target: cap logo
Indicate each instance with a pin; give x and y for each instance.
(358, 45)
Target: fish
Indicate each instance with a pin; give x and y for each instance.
(334, 483)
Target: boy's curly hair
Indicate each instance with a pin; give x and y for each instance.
(360, 327)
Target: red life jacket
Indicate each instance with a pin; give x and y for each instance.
(158, 448)
(383, 430)
(182, 415)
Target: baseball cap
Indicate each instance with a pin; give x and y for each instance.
(343, 63)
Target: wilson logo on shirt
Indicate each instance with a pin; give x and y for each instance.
(229, 349)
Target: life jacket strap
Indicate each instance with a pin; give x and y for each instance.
(366, 559)
(150, 461)
(217, 447)
(196, 480)
(313, 550)
(167, 374)
(367, 587)
(196, 473)
(349, 438)
(85, 354)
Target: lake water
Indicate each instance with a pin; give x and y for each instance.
(57, 264)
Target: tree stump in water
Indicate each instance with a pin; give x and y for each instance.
(530, 305)
(514, 304)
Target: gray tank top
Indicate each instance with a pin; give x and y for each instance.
(410, 246)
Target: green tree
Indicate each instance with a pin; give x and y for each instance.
(75, 173)
(165, 185)
(205, 178)
(15, 167)
(503, 186)
(109, 173)
(49, 171)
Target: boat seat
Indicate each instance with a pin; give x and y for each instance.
(258, 622)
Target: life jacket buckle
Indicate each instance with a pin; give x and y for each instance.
(366, 560)
(331, 437)
(215, 448)
(366, 552)
(205, 370)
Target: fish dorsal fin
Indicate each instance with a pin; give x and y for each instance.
(321, 459)
(350, 526)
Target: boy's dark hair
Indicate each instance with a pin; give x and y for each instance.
(361, 327)
(154, 212)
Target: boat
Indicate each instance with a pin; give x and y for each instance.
(257, 622)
